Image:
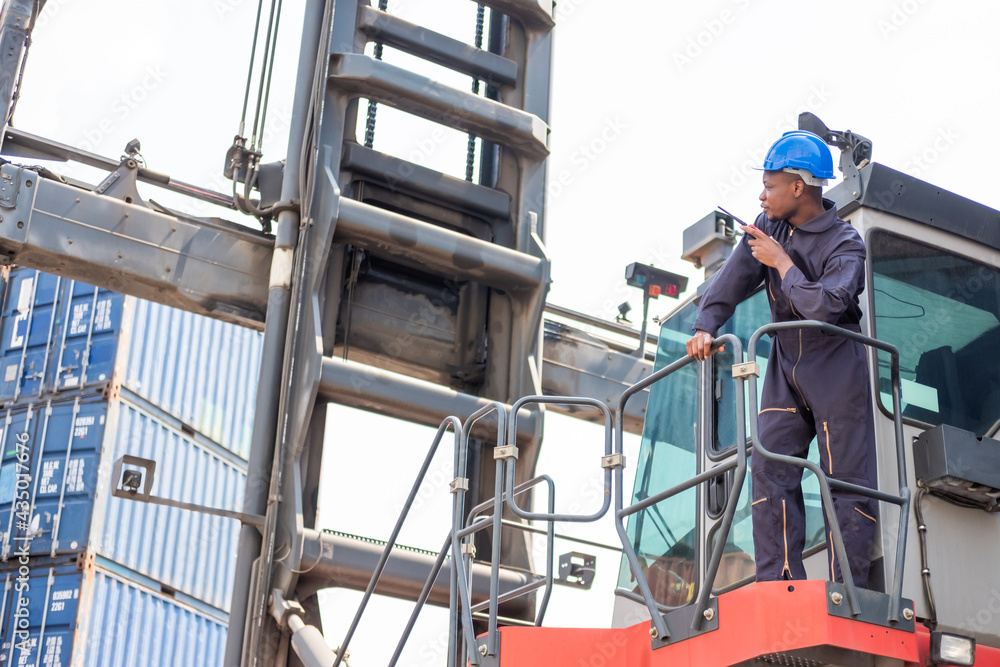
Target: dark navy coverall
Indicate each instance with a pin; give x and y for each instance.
(816, 385)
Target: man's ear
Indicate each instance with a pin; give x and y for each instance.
(798, 187)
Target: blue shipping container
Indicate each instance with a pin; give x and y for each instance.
(55, 493)
(63, 336)
(62, 616)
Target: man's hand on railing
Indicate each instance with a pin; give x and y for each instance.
(699, 346)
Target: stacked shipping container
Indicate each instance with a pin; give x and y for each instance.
(86, 376)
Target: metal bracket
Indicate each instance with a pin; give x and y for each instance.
(489, 660)
(749, 369)
(504, 453)
(128, 482)
(874, 607)
(855, 150)
(281, 608)
(121, 183)
(459, 484)
(577, 570)
(468, 549)
(10, 184)
(679, 624)
(613, 461)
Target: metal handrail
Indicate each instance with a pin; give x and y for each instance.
(456, 425)
(613, 462)
(459, 580)
(740, 464)
(903, 499)
(493, 635)
(511, 462)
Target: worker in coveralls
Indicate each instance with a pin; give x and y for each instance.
(812, 265)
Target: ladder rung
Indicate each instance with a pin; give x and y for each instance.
(389, 171)
(532, 13)
(437, 48)
(363, 75)
(438, 249)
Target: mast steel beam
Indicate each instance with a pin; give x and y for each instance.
(135, 250)
(374, 79)
(207, 267)
(16, 18)
(533, 13)
(437, 48)
(436, 248)
(335, 561)
(403, 397)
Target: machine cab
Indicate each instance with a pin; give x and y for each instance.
(933, 291)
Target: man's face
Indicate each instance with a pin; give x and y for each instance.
(778, 198)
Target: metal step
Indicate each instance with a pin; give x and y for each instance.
(440, 250)
(366, 77)
(434, 186)
(437, 48)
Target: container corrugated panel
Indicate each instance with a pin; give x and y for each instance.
(202, 370)
(62, 444)
(26, 330)
(71, 446)
(63, 336)
(90, 319)
(190, 551)
(93, 618)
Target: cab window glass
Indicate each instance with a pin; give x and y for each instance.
(663, 535)
(941, 311)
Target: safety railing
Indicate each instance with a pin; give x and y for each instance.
(462, 641)
(826, 483)
(461, 609)
(456, 427)
(739, 463)
(495, 521)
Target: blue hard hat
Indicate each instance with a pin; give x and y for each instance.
(797, 150)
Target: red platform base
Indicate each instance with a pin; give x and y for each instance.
(761, 619)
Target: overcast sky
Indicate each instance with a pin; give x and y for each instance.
(659, 111)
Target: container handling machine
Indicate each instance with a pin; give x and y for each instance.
(386, 286)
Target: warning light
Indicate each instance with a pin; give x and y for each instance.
(655, 281)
